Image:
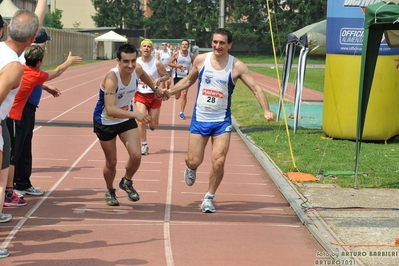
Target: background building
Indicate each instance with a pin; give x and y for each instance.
(76, 14)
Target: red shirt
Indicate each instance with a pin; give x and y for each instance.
(31, 78)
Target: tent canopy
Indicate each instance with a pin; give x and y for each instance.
(7, 9)
(379, 18)
(311, 38)
(111, 36)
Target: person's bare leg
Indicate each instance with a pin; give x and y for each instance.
(3, 183)
(220, 147)
(109, 170)
(183, 100)
(154, 113)
(142, 126)
(131, 140)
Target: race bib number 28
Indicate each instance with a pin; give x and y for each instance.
(212, 98)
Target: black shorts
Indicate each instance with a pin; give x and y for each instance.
(6, 147)
(108, 132)
(176, 79)
(11, 129)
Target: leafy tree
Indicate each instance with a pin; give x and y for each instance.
(53, 19)
(168, 20)
(248, 22)
(202, 20)
(124, 14)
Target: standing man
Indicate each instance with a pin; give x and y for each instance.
(182, 61)
(21, 119)
(22, 30)
(114, 117)
(145, 99)
(217, 74)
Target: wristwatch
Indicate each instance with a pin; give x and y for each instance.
(155, 88)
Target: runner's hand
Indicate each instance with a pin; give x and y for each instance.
(143, 117)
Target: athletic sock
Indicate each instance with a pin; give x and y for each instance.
(209, 195)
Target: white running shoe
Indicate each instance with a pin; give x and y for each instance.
(190, 176)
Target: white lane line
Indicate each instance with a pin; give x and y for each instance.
(232, 194)
(17, 227)
(168, 203)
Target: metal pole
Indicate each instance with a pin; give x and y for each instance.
(221, 13)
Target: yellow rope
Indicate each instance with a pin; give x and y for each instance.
(294, 167)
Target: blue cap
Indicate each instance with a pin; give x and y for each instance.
(42, 37)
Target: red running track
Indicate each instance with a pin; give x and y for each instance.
(72, 225)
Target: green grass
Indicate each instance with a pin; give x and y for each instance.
(52, 67)
(309, 151)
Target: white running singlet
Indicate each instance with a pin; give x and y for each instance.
(185, 61)
(215, 88)
(151, 69)
(124, 98)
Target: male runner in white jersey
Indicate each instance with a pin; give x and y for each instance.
(114, 116)
(182, 61)
(165, 55)
(145, 99)
(217, 73)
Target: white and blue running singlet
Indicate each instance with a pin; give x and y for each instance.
(151, 69)
(185, 61)
(215, 88)
(124, 97)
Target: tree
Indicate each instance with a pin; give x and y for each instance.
(202, 20)
(53, 19)
(168, 20)
(123, 14)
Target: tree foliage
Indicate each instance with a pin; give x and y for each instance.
(168, 20)
(197, 19)
(53, 19)
(123, 14)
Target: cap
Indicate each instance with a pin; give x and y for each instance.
(146, 41)
(42, 37)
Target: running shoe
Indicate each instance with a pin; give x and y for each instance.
(31, 191)
(14, 201)
(207, 206)
(182, 116)
(5, 217)
(110, 198)
(127, 186)
(4, 253)
(144, 149)
(189, 176)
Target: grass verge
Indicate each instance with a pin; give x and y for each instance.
(309, 151)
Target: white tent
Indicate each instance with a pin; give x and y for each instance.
(311, 39)
(111, 36)
(105, 44)
(7, 9)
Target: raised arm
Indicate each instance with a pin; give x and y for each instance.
(40, 11)
(61, 68)
(240, 70)
(10, 76)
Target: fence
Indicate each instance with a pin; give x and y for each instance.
(62, 42)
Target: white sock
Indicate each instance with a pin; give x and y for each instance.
(209, 195)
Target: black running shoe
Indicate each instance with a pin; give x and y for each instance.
(127, 186)
(110, 198)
